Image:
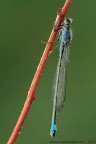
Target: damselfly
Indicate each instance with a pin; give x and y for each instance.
(59, 88)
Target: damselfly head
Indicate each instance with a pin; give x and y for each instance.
(68, 21)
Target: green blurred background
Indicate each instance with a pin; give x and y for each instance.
(23, 24)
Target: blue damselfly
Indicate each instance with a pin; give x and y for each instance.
(59, 88)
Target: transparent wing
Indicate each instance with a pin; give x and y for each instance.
(59, 88)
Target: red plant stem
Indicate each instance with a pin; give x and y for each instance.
(31, 94)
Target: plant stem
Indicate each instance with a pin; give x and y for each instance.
(31, 93)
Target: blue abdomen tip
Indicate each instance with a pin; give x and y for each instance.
(53, 130)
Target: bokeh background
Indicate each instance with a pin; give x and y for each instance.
(23, 24)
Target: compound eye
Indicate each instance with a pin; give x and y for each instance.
(69, 20)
